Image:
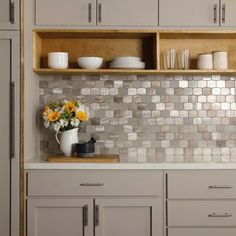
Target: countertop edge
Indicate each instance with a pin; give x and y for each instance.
(128, 166)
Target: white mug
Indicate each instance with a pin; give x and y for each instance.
(220, 60)
(58, 60)
(204, 61)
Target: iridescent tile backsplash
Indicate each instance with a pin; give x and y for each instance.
(151, 118)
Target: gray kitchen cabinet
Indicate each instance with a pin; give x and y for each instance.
(135, 216)
(202, 213)
(93, 183)
(9, 156)
(79, 217)
(210, 185)
(97, 202)
(5, 68)
(65, 13)
(9, 14)
(201, 202)
(101, 13)
(128, 13)
(201, 231)
(60, 217)
(228, 16)
(189, 13)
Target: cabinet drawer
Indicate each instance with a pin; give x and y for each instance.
(201, 213)
(201, 184)
(97, 183)
(201, 231)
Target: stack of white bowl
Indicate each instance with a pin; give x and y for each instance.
(127, 63)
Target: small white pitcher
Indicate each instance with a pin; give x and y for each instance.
(68, 141)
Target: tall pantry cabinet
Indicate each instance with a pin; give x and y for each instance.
(9, 118)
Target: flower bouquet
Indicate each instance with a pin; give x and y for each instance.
(65, 117)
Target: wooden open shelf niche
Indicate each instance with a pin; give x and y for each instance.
(149, 45)
(105, 44)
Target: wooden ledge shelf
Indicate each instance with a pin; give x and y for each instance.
(150, 45)
(128, 72)
(92, 72)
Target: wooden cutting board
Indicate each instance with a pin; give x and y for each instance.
(98, 158)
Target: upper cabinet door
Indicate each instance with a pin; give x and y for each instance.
(127, 13)
(9, 14)
(228, 14)
(65, 13)
(189, 13)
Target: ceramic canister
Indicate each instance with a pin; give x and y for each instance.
(58, 60)
(204, 61)
(220, 60)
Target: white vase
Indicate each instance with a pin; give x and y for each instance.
(68, 141)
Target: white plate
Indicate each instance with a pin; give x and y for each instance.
(127, 65)
(127, 59)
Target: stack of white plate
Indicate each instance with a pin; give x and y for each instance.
(127, 63)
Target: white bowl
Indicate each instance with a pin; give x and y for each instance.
(89, 62)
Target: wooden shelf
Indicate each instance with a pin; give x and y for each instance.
(125, 72)
(150, 45)
(92, 72)
(198, 72)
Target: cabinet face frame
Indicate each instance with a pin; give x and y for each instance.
(150, 45)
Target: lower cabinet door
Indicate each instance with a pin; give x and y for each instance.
(60, 217)
(126, 217)
(201, 231)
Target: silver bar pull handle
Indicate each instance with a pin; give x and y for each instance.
(12, 12)
(90, 12)
(85, 215)
(12, 119)
(91, 184)
(220, 215)
(215, 13)
(99, 12)
(96, 215)
(223, 13)
(220, 186)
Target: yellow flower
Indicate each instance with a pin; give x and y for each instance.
(81, 116)
(70, 107)
(45, 111)
(53, 116)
